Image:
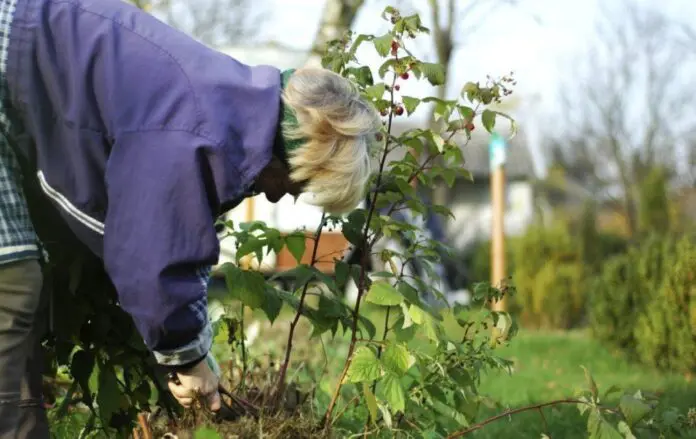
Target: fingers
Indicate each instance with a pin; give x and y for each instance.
(185, 396)
(214, 401)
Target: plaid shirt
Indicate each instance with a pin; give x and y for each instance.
(17, 237)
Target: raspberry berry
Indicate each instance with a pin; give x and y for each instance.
(399, 110)
(470, 126)
(397, 87)
(404, 75)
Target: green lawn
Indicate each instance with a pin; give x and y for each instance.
(547, 367)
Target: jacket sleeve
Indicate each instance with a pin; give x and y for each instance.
(159, 237)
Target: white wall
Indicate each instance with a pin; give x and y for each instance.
(471, 206)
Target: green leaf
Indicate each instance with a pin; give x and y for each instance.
(410, 293)
(626, 430)
(251, 245)
(361, 75)
(488, 119)
(410, 104)
(467, 406)
(418, 316)
(364, 366)
(591, 382)
(371, 402)
(633, 409)
(611, 390)
(434, 73)
(384, 68)
(376, 91)
(599, 428)
(394, 392)
(245, 286)
(470, 90)
(396, 359)
(272, 303)
(296, 243)
(438, 141)
(383, 293)
(206, 433)
(81, 367)
(342, 270)
(383, 44)
(109, 397)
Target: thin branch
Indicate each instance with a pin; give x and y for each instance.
(280, 387)
(507, 413)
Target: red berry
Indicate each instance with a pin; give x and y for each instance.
(404, 75)
(399, 110)
(397, 87)
(470, 126)
(379, 137)
(394, 45)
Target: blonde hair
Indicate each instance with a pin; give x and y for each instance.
(340, 129)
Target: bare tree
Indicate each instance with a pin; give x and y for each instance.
(337, 18)
(626, 107)
(452, 22)
(213, 22)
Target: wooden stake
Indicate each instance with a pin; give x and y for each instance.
(145, 426)
(498, 231)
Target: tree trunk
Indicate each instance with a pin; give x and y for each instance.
(338, 17)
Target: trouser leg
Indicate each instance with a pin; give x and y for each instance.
(33, 423)
(20, 292)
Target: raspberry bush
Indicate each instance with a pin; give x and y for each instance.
(408, 367)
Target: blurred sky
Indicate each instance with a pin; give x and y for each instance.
(538, 40)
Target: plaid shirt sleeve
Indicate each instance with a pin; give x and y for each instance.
(17, 237)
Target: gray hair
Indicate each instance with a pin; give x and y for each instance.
(340, 129)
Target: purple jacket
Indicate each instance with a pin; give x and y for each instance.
(141, 135)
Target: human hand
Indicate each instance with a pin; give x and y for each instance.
(201, 380)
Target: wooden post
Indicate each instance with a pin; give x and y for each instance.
(498, 274)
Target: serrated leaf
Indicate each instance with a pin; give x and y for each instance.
(396, 358)
(109, 396)
(342, 270)
(410, 103)
(393, 392)
(245, 286)
(272, 303)
(296, 244)
(611, 390)
(386, 416)
(438, 141)
(434, 73)
(383, 44)
(417, 314)
(626, 430)
(251, 245)
(371, 402)
(364, 366)
(384, 68)
(376, 91)
(633, 409)
(361, 75)
(383, 293)
(600, 428)
(591, 382)
(81, 368)
(488, 119)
